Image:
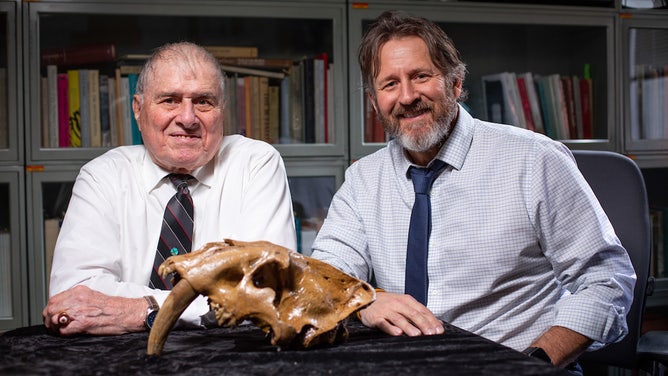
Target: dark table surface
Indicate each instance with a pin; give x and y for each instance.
(245, 350)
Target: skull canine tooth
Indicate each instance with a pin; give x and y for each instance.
(297, 300)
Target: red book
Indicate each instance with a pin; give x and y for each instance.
(526, 105)
(99, 53)
(585, 100)
(63, 111)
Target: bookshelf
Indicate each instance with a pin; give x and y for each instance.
(540, 37)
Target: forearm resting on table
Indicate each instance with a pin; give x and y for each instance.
(562, 345)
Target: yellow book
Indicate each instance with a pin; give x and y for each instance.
(74, 107)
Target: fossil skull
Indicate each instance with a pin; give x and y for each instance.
(299, 300)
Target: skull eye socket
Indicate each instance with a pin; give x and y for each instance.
(269, 275)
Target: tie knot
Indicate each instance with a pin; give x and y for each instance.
(180, 181)
(423, 178)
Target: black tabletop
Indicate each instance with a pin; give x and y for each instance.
(245, 350)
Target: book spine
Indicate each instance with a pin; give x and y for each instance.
(284, 122)
(84, 108)
(74, 108)
(105, 123)
(52, 99)
(309, 101)
(132, 86)
(232, 51)
(94, 108)
(113, 112)
(63, 111)
(79, 55)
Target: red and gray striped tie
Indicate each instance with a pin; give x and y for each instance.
(177, 229)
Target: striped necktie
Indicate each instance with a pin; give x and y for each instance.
(417, 282)
(177, 229)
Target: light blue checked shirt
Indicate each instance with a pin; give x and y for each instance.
(519, 242)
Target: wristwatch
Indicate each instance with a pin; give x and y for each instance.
(152, 311)
(538, 353)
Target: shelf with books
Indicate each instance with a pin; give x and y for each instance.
(274, 59)
(11, 138)
(558, 106)
(13, 289)
(645, 87)
(519, 39)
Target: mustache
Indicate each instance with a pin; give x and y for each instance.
(413, 108)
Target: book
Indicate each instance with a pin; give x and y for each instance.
(125, 133)
(132, 87)
(94, 108)
(282, 64)
(120, 87)
(567, 86)
(104, 119)
(526, 106)
(308, 95)
(252, 71)
(232, 51)
(44, 111)
(241, 105)
(296, 104)
(79, 55)
(74, 107)
(84, 108)
(285, 111)
(586, 94)
(63, 111)
(577, 101)
(113, 111)
(274, 114)
(230, 114)
(319, 99)
(501, 99)
(51, 139)
(534, 103)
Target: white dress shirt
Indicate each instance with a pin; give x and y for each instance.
(518, 243)
(110, 233)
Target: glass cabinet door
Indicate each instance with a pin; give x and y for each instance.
(645, 79)
(312, 186)
(13, 291)
(10, 139)
(50, 190)
(284, 61)
(568, 56)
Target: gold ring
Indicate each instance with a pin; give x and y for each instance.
(63, 318)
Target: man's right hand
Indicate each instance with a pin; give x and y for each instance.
(81, 310)
(398, 314)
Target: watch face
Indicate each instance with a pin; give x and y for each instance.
(150, 318)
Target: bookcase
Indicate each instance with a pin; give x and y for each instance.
(598, 39)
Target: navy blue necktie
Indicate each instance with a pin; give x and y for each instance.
(177, 229)
(418, 233)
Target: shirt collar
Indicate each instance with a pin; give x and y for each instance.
(454, 150)
(154, 174)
